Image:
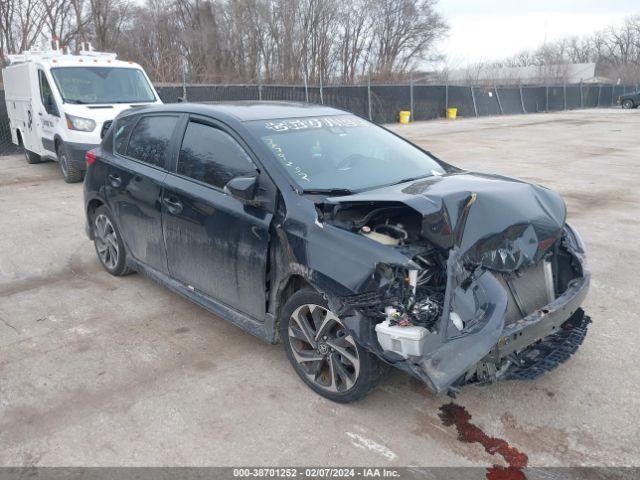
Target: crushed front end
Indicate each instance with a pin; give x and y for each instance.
(491, 289)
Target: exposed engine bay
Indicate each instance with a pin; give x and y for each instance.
(467, 272)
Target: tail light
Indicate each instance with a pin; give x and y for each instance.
(90, 157)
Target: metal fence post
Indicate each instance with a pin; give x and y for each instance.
(473, 97)
(321, 95)
(306, 89)
(581, 96)
(524, 110)
(546, 98)
(184, 81)
(613, 87)
(259, 86)
(564, 95)
(498, 99)
(369, 94)
(411, 96)
(446, 98)
(599, 92)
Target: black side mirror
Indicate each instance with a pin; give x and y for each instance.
(243, 188)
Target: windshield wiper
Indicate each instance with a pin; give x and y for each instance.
(328, 191)
(76, 102)
(411, 179)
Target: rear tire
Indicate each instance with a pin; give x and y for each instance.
(327, 358)
(108, 243)
(70, 171)
(628, 104)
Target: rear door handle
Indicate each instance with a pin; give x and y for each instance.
(115, 180)
(174, 206)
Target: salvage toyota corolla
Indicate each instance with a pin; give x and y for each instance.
(350, 245)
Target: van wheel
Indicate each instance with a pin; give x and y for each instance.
(323, 352)
(628, 104)
(31, 157)
(71, 172)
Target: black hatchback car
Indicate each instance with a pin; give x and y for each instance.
(353, 247)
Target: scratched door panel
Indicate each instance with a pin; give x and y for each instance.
(216, 244)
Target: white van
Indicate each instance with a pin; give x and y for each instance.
(58, 104)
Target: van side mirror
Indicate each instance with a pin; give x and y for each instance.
(243, 188)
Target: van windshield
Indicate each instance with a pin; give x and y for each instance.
(342, 153)
(102, 85)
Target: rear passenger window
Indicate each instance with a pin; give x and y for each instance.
(121, 134)
(212, 156)
(150, 139)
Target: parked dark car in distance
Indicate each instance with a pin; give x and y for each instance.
(313, 227)
(629, 100)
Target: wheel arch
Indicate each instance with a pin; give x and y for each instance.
(287, 287)
(92, 206)
(57, 141)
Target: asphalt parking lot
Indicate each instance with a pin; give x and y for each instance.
(97, 370)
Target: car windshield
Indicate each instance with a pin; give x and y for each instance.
(102, 85)
(342, 153)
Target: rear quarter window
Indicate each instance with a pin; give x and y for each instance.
(122, 131)
(150, 139)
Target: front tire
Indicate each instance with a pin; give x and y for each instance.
(108, 243)
(628, 104)
(70, 171)
(31, 157)
(323, 352)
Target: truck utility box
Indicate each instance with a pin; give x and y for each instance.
(58, 103)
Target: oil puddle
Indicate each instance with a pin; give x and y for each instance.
(458, 416)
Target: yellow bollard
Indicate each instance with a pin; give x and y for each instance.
(405, 116)
(452, 113)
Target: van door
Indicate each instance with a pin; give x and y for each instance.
(48, 113)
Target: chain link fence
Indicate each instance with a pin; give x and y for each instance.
(382, 103)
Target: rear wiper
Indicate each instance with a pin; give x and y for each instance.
(328, 191)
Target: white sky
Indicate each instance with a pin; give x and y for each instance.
(484, 30)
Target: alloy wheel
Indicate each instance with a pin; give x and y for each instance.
(324, 350)
(106, 241)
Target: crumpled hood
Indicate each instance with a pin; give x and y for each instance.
(497, 222)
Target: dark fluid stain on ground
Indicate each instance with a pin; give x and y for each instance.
(452, 414)
(181, 330)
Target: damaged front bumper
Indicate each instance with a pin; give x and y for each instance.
(497, 352)
(492, 346)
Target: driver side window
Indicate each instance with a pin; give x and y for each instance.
(46, 95)
(212, 156)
